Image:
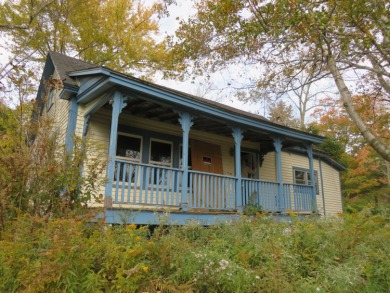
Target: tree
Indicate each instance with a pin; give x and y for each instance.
(119, 34)
(333, 121)
(366, 171)
(289, 37)
(282, 113)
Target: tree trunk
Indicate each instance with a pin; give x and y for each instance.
(346, 97)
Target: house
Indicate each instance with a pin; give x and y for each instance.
(194, 158)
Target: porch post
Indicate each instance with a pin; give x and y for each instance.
(118, 103)
(309, 150)
(278, 160)
(238, 136)
(186, 123)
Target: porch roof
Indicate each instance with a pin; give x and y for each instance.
(91, 82)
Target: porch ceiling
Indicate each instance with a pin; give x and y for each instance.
(145, 108)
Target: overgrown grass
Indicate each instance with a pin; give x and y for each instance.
(345, 254)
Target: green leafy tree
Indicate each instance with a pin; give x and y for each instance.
(287, 37)
(119, 34)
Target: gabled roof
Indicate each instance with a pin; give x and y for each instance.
(65, 64)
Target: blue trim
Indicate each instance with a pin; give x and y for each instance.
(123, 216)
(317, 155)
(72, 119)
(278, 161)
(99, 87)
(127, 216)
(322, 187)
(147, 135)
(183, 102)
(91, 71)
(186, 123)
(48, 71)
(117, 105)
(309, 149)
(68, 92)
(103, 100)
(145, 149)
(238, 136)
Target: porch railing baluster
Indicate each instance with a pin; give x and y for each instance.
(142, 184)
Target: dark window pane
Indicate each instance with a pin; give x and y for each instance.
(160, 152)
(299, 177)
(129, 147)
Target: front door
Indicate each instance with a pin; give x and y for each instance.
(206, 188)
(206, 157)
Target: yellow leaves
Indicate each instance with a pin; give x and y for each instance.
(131, 227)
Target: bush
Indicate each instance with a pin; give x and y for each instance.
(345, 254)
(38, 176)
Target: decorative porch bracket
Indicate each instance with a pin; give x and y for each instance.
(278, 160)
(238, 136)
(118, 103)
(186, 121)
(87, 115)
(309, 150)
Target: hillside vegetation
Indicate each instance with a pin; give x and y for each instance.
(345, 254)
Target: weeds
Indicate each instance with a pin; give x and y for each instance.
(344, 254)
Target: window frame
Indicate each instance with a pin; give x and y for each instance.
(156, 163)
(50, 99)
(254, 163)
(306, 178)
(128, 158)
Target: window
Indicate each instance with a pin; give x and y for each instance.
(160, 153)
(50, 99)
(129, 147)
(302, 176)
(249, 166)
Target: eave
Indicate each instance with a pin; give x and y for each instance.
(182, 102)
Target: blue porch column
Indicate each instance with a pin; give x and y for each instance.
(309, 150)
(238, 136)
(186, 123)
(118, 103)
(72, 119)
(278, 161)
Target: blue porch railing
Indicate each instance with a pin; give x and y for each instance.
(300, 197)
(211, 191)
(142, 184)
(260, 193)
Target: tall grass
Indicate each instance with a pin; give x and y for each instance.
(345, 254)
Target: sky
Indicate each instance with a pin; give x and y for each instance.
(207, 88)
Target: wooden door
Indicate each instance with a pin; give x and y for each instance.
(206, 157)
(206, 188)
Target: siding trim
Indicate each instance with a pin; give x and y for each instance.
(322, 187)
(72, 119)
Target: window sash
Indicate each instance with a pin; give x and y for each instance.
(302, 176)
(160, 162)
(135, 155)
